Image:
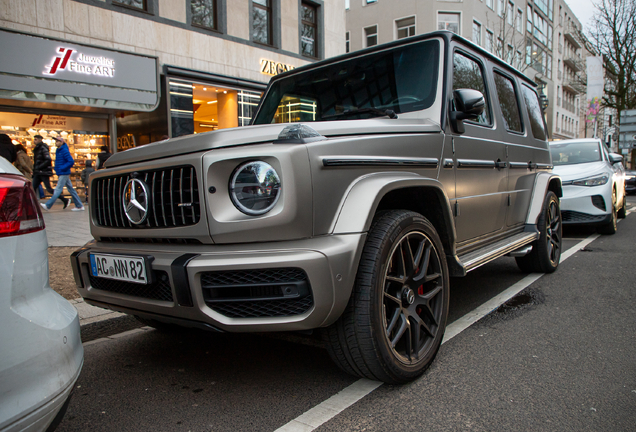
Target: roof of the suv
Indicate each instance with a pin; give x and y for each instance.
(448, 36)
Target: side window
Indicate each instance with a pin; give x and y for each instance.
(508, 102)
(467, 74)
(534, 112)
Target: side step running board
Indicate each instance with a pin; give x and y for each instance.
(477, 258)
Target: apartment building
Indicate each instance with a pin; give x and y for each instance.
(538, 37)
(126, 73)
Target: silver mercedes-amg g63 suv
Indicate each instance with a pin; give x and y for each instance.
(363, 184)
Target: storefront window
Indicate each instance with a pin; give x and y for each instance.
(204, 13)
(197, 107)
(84, 145)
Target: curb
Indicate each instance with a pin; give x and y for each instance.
(89, 314)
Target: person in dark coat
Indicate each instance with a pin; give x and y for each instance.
(42, 168)
(102, 157)
(7, 149)
(84, 175)
(63, 164)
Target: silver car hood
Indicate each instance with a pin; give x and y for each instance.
(266, 133)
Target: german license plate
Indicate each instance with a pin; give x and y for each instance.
(119, 267)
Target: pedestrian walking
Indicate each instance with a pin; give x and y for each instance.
(23, 162)
(7, 149)
(63, 164)
(42, 168)
(84, 176)
(102, 157)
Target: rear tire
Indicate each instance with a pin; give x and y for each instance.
(546, 251)
(393, 325)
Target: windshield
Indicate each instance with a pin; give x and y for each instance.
(575, 153)
(400, 80)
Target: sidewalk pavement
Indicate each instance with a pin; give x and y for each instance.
(71, 228)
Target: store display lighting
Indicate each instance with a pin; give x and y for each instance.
(211, 102)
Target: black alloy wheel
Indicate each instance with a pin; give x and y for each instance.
(546, 251)
(412, 304)
(394, 323)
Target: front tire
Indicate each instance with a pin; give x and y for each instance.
(546, 251)
(394, 322)
(611, 227)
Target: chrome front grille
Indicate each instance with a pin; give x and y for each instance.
(174, 198)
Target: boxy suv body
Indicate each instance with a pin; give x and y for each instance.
(364, 182)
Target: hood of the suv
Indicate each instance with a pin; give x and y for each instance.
(266, 133)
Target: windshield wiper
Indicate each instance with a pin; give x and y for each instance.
(380, 112)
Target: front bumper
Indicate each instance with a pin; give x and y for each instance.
(252, 296)
(582, 205)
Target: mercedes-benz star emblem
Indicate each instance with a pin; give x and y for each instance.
(136, 201)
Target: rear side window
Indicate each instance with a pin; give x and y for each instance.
(467, 74)
(508, 102)
(534, 112)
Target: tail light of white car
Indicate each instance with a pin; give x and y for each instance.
(19, 209)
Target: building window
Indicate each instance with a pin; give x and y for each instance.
(309, 30)
(371, 35)
(405, 27)
(490, 38)
(510, 52)
(347, 4)
(347, 43)
(529, 19)
(490, 4)
(135, 4)
(262, 21)
(448, 21)
(500, 7)
(477, 33)
(520, 20)
(510, 14)
(370, 1)
(204, 13)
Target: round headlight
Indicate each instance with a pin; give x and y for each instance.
(255, 188)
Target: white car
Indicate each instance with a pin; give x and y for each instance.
(593, 183)
(41, 352)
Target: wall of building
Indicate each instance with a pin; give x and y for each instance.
(166, 34)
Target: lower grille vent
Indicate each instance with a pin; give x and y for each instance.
(159, 290)
(569, 216)
(598, 202)
(257, 293)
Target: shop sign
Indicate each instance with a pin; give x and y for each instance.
(270, 67)
(77, 74)
(84, 64)
(125, 142)
(49, 121)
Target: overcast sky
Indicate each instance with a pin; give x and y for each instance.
(583, 9)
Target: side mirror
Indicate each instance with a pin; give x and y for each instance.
(470, 104)
(615, 158)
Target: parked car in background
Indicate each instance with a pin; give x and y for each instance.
(41, 352)
(630, 182)
(593, 183)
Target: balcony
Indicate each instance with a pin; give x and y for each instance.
(571, 62)
(572, 87)
(571, 37)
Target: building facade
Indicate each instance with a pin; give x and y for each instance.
(125, 73)
(538, 37)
